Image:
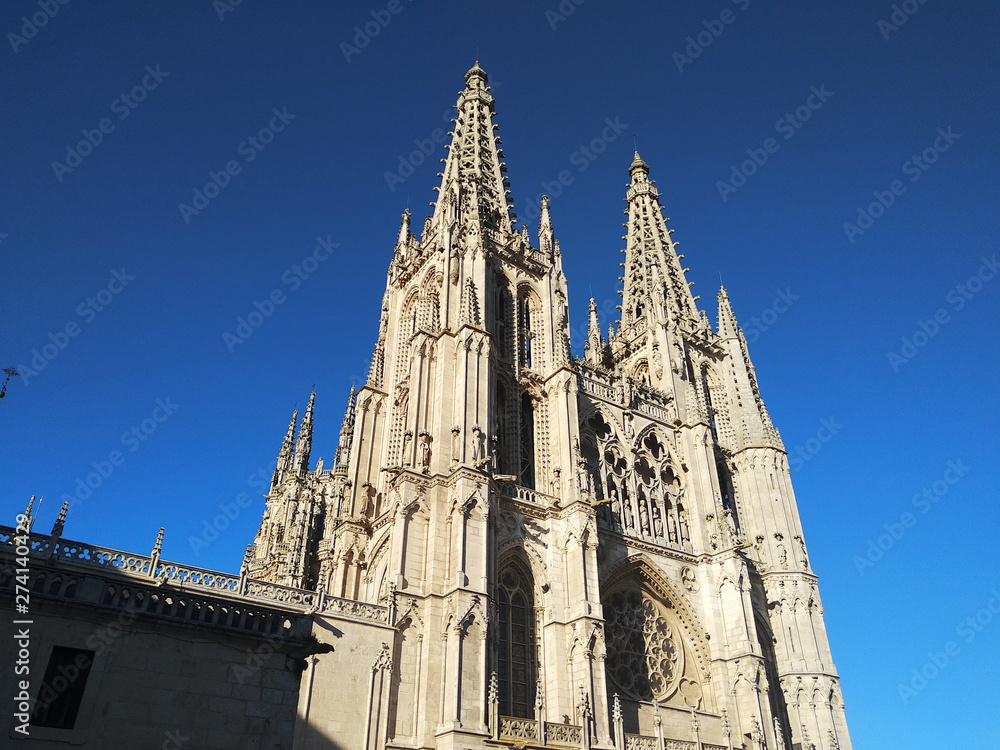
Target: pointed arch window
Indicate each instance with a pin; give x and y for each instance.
(516, 657)
(527, 463)
(525, 332)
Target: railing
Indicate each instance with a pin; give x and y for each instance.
(563, 734)
(192, 578)
(653, 410)
(646, 742)
(525, 730)
(375, 612)
(277, 593)
(518, 729)
(199, 577)
(641, 742)
(597, 388)
(526, 495)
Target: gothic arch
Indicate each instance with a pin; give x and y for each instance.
(640, 372)
(378, 565)
(530, 326)
(516, 658)
(665, 438)
(640, 569)
(588, 411)
(516, 548)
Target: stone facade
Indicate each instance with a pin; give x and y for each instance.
(513, 546)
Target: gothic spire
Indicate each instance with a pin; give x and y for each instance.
(594, 343)
(757, 425)
(727, 320)
(468, 313)
(346, 433)
(60, 523)
(473, 186)
(654, 282)
(284, 463)
(27, 513)
(545, 233)
(404, 231)
(303, 445)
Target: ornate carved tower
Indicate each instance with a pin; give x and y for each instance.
(574, 552)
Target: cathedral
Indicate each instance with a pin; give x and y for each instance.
(511, 547)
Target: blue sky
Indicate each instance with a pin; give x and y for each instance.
(768, 127)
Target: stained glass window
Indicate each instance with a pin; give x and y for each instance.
(516, 654)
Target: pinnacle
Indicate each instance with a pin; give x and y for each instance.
(638, 163)
(476, 73)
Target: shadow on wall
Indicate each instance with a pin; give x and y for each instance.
(312, 738)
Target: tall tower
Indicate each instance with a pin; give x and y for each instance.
(574, 550)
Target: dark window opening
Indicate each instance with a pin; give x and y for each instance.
(516, 654)
(527, 473)
(61, 692)
(526, 335)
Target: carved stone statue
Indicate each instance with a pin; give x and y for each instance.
(425, 452)
(477, 443)
(407, 437)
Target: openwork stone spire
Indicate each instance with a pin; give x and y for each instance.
(727, 320)
(287, 452)
(473, 187)
(654, 284)
(346, 434)
(303, 447)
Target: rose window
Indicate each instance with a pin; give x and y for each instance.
(644, 654)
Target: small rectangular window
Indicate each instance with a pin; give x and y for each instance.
(61, 692)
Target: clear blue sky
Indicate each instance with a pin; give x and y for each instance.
(832, 303)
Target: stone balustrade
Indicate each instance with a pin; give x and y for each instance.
(65, 553)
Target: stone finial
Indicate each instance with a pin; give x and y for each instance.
(638, 164)
(469, 312)
(158, 544)
(28, 512)
(303, 446)
(57, 527)
(476, 77)
(404, 231)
